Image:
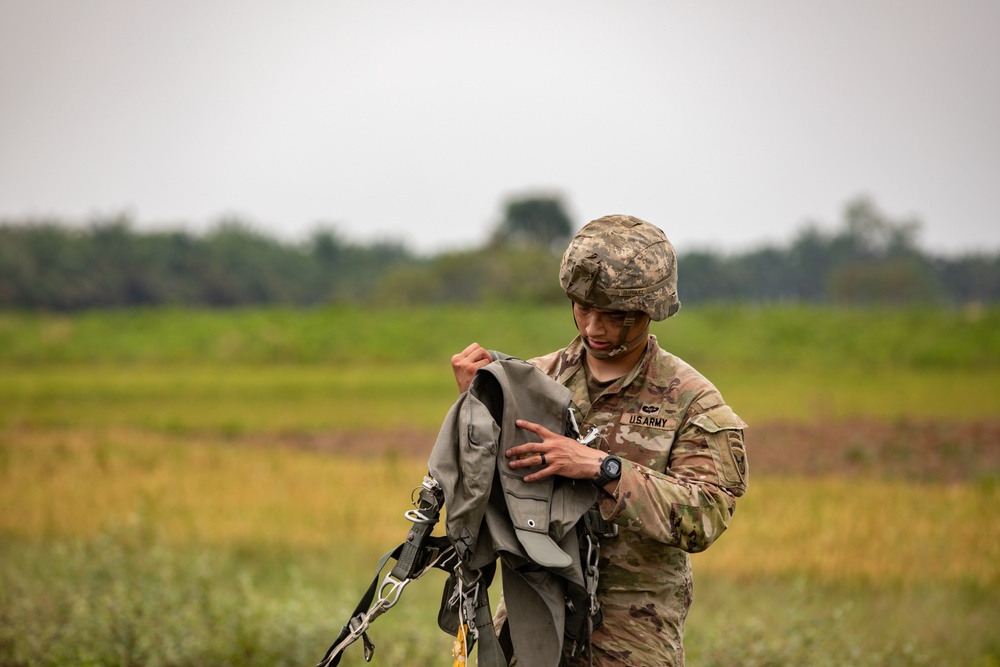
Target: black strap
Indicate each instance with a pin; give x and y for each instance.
(438, 543)
(363, 605)
(490, 652)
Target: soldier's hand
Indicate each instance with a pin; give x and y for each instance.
(465, 364)
(556, 454)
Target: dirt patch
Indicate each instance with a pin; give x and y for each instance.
(923, 451)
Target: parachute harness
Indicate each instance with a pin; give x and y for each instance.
(414, 558)
(466, 591)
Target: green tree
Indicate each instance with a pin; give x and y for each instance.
(540, 221)
(870, 258)
(971, 278)
(875, 234)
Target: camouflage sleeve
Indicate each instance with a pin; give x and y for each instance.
(689, 504)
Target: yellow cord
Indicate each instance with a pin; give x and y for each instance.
(458, 650)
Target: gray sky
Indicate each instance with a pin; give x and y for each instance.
(726, 123)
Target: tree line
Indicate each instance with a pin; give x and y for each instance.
(869, 259)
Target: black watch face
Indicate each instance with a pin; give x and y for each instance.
(613, 467)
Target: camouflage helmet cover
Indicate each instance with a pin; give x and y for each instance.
(620, 262)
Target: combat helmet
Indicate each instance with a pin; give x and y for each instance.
(620, 262)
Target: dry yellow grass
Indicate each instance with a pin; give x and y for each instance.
(75, 483)
(887, 532)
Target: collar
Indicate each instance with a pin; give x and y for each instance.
(573, 356)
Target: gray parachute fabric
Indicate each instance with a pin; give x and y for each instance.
(492, 512)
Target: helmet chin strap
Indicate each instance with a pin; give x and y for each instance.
(624, 345)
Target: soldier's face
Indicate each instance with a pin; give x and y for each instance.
(598, 320)
(603, 328)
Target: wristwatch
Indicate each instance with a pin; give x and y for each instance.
(611, 470)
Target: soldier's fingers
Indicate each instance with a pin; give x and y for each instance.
(477, 353)
(526, 454)
(547, 471)
(537, 429)
(469, 351)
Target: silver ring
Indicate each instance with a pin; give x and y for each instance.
(543, 458)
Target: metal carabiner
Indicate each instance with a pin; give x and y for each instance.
(470, 600)
(388, 595)
(387, 600)
(358, 626)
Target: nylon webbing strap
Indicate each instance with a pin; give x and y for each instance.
(333, 654)
(360, 610)
(490, 653)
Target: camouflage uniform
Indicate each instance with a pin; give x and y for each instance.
(684, 465)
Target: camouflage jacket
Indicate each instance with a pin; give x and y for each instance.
(684, 465)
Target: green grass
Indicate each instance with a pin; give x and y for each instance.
(229, 399)
(125, 597)
(801, 621)
(743, 336)
(307, 399)
(316, 370)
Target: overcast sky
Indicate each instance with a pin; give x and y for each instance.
(726, 123)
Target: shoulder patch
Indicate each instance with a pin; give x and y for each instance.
(724, 435)
(718, 419)
(709, 401)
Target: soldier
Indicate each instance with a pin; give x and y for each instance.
(665, 450)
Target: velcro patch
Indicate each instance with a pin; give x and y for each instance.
(648, 421)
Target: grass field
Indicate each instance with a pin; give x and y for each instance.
(164, 500)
